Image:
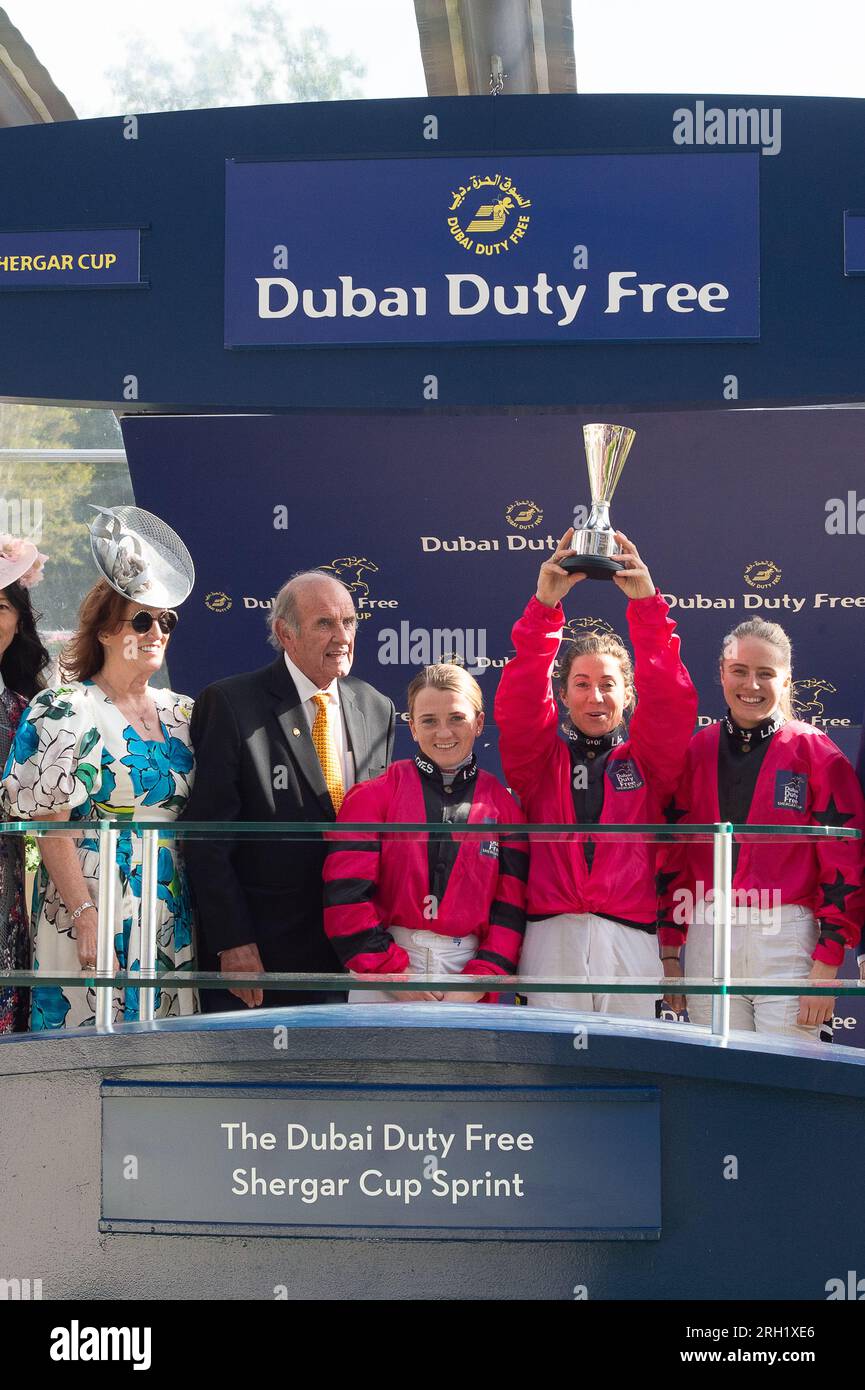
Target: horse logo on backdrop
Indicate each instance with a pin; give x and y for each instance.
(587, 627)
(493, 211)
(523, 515)
(217, 601)
(762, 574)
(576, 628)
(806, 697)
(349, 570)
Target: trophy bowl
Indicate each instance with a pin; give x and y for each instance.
(593, 547)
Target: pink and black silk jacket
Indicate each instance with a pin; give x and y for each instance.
(804, 779)
(452, 884)
(641, 766)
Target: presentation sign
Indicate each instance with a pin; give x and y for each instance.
(569, 1161)
(494, 248)
(34, 260)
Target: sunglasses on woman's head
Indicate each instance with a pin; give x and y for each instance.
(143, 621)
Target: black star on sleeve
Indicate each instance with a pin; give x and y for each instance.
(663, 881)
(831, 815)
(836, 894)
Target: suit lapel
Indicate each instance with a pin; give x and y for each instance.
(289, 713)
(355, 723)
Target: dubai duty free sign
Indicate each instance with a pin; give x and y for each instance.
(550, 248)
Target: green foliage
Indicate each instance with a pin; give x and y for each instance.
(32, 857)
(57, 427)
(262, 60)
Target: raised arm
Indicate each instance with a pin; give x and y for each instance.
(525, 707)
(663, 723)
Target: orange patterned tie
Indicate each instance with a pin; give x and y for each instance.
(327, 754)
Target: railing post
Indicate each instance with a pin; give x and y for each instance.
(149, 886)
(107, 898)
(723, 927)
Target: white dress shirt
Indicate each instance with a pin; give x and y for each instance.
(306, 689)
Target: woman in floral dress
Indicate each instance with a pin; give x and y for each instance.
(23, 659)
(105, 746)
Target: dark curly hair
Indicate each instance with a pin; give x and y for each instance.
(25, 659)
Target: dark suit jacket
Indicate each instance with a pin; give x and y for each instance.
(255, 761)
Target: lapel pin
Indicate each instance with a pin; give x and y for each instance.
(296, 733)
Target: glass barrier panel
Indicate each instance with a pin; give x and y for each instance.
(742, 951)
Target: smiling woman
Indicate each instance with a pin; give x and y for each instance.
(441, 904)
(592, 903)
(760, 766)
(105, 745)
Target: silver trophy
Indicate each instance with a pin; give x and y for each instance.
(593, 549)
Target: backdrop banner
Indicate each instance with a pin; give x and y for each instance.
(438, 524)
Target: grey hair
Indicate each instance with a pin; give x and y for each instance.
(285, 607)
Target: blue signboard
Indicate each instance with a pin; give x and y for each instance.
(38, 260)
(553, 1161)
(493, 248)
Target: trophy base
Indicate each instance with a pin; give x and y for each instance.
(592, 566)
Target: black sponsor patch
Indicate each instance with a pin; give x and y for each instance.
(791, 791)
(625, 775)
(489, 847)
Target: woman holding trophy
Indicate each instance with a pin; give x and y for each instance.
(592, 902)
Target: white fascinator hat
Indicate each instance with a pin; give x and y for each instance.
(141, 556)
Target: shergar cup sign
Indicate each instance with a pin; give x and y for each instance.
(594, 547)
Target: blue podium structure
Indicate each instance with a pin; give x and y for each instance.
(747, 1142)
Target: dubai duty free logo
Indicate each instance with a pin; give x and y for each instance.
(524, 514)
(218, 601)
(483, 209)
(762, 574)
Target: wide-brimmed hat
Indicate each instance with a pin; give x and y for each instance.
(141, 557)
(20, 560)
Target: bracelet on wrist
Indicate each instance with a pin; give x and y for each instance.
(82, 907)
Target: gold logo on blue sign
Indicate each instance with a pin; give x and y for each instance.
(488, 215)
(524, 514)
(576, 628)
(807, 697)
(217, 601)
(349, 570)
(762, 574)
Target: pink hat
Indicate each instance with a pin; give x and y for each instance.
(20, 560)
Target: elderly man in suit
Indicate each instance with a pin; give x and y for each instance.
(281, 744)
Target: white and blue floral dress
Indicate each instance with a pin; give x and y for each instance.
(73, 749)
